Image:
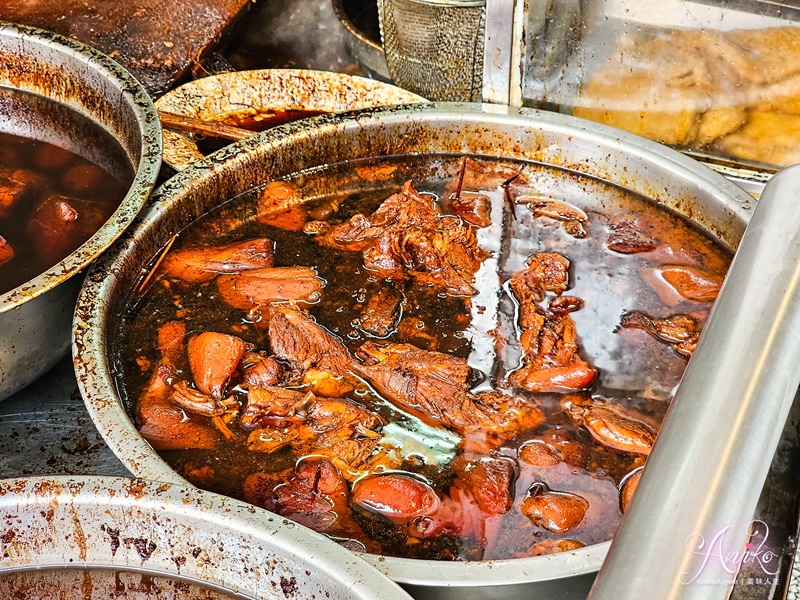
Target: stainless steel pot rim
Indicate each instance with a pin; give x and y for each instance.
(127, 501)
(119, 432)
(146, 171)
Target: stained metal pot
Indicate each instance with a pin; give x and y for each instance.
(35, 318)
(110, 525)
(667, 177)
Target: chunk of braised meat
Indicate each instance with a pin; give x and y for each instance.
(573, 219)
(491, 481)
(314, 494)
(626, 236)
(406, 236)
(564, 304)
(471, 207)
(197, 265)
(273, 406)
(196, 402)
(552, 447)
(259, 287)
(346, 432)
(627, 489)
(550, 546)
(613, 426)
(551, 361)
(382, 313)
(316, 356)
(51, 228)
(6, 251)
(281, 205)
(682, 332)
(167, 426)
(417, 509)
(172, 342)
(559, 512)
(693, 283)
(13, 190)
(213, 359)
(435, 386)
(260, 370)
(478, 175)
(396, 497)
(544, 272)
(340, 429)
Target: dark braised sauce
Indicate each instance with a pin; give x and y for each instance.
(101, 584)
(480, 387)
(51, 201)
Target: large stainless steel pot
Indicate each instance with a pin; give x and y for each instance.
(35, 318)
(110, 525)
(667, 177)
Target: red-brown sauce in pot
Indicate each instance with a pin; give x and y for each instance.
(430, 357)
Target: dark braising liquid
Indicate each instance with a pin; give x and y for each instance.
(636, 372)
(52, 199)
(102, 584)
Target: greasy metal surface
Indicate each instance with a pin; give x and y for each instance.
(214, 97)
(658, 172)
(35, 317)
(702, 481)
(176, 530)
(157, 41)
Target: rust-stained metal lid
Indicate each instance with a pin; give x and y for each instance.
(214, 98)
(177, 532)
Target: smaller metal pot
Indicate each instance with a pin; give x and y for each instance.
(171, 531)
(35, 318)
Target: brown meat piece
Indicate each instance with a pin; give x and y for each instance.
(171, 342)
(196, 265)
(296, 338)
(165, 425)
(558, 512)
(473, 208)
(272, 406)
(552, 447)
(197, 403)
(573, 218)
(12, 192)
(626, 237)
(434, 386)
(550, 546)
(382, 313)
(281, 205)
(484, 175)
(490, 480)
(551, 359)
(260, 287)
(406, 236)
(52, 226)
(545, 272)
(260, 370)
(213, 359)
(692, 283)
(613, 427)
(682, 332)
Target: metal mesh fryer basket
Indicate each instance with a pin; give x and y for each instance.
(435, 47)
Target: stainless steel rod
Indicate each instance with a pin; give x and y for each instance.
(686, 532)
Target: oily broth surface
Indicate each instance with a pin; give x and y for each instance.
(635, 370)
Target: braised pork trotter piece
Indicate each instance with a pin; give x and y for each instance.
(260, 287)
(315, 356)
(558, 512)
(196, 265)
(435, 386)
(682, 332)
(406, 236)
(613, 426)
